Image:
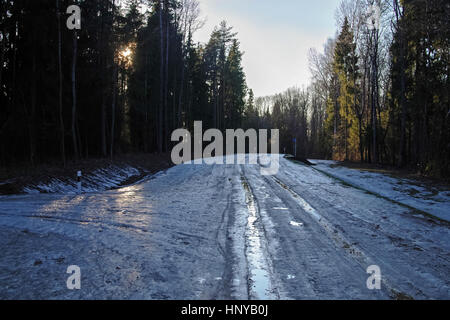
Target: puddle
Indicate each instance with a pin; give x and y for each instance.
(259, 276)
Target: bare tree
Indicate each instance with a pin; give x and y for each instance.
(398, 10)
(188, 22)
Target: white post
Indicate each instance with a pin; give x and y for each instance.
(79, 181)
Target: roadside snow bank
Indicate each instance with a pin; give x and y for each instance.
(98, 180)
(433, 200)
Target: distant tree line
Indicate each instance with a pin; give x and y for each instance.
(296, 113)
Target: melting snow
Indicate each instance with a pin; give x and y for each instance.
(99, 180)
(431, 200)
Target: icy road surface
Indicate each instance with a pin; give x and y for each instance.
(222, 232)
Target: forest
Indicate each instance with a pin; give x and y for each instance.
(130, 76)
(379, 94)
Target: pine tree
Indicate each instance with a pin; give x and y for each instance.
(346, 68)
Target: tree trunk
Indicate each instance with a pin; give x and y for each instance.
(74, 94)
(361, 149)
(2, 56)
(60, 75)
(180, 98)
(113, 108)
(401, 56)
(103, 67)
(346, 130)
(146, 129)
(402, 150)
(335, 124)
(365, 104)
(166, 80)
(183, 75)
(161, 81)
(31, 118)
(103, 126)
(215, 116)
(374, 96)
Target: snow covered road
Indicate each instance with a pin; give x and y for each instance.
(221, 232)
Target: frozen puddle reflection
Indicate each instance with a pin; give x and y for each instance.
(260, 286)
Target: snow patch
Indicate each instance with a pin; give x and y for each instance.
(404, 191)
(99, 180)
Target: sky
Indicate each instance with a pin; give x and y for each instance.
(275, 36)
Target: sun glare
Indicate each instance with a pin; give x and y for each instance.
(126, 53)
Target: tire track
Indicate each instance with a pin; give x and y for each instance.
(339, 239)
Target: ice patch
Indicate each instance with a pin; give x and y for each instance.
(259, 270)
(296, 224)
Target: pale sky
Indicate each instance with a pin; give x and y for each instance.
(275, 35)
